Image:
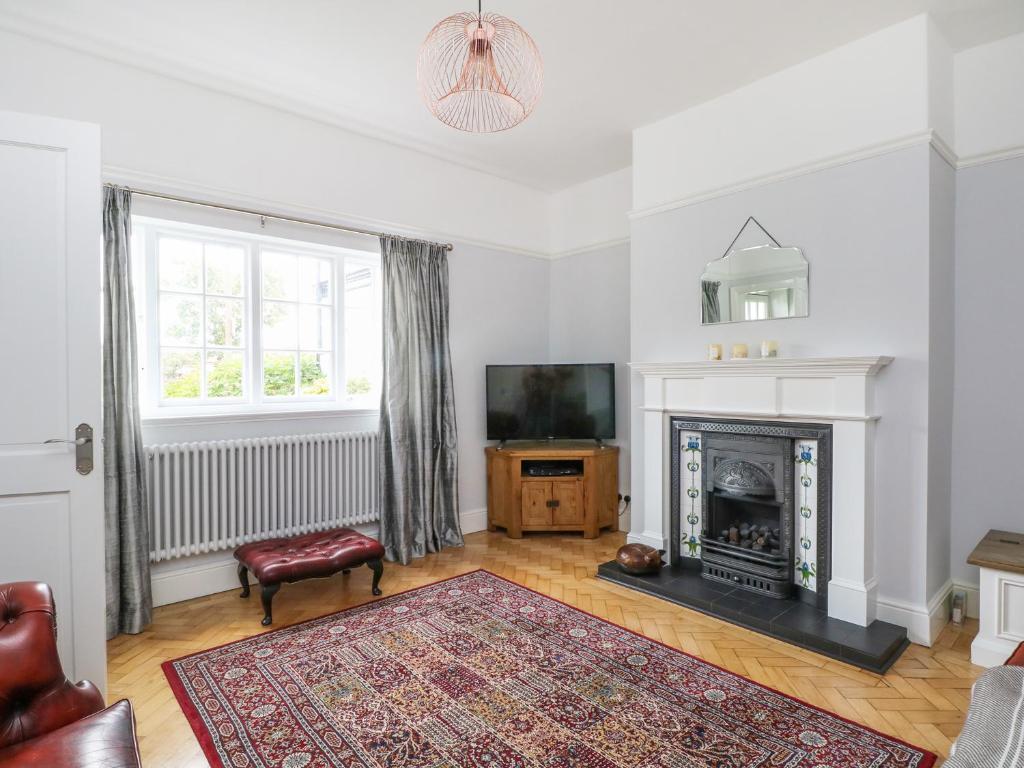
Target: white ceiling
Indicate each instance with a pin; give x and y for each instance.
(610, 65)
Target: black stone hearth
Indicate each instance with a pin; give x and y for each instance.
(873, 648)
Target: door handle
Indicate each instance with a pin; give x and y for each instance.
(553, 503)
(83, 447)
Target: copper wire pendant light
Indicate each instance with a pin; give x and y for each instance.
(480, 72)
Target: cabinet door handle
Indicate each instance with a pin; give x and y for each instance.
(553, 502)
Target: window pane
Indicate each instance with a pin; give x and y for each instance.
(279, 325)
(314, 327)
(224, 374)
(181, 264)
(279, 373)
(280, 275)
(314, 370)
(179, 373)
(224, 322)
(181, 319)
(225, 269)
(362, 330)
(358, 385)
(315, 280)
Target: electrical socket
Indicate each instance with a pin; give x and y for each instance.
(958, 606)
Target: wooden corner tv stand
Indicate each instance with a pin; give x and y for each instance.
(555, 485)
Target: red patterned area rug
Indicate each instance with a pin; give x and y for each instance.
(478, 672)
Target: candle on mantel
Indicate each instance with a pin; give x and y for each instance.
(769, 348)
(739, 351)
(714, 351)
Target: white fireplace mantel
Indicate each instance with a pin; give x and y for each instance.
(834, 390)
(809, 366)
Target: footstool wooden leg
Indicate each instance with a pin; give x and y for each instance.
(378, 570)
(243, 578)
(267, 598)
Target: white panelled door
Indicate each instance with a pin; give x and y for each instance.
(51, 515)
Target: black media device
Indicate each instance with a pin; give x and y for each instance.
(551, 402)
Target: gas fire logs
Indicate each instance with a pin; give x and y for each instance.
(757, 538)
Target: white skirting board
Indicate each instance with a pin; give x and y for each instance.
(923, 622)
(190, 577)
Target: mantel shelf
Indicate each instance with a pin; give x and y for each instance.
(810, 367)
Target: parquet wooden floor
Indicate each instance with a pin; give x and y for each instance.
(922, 699)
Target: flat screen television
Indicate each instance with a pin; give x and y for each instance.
(538, 402)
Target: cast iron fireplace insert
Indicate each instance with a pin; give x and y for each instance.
(748, 533)
(748, 512)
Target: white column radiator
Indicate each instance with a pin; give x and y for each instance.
(212, 496)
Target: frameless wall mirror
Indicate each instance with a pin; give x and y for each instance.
(756, 279)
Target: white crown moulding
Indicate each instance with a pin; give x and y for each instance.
(811, 367)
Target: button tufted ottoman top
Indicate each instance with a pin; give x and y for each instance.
(309, 556)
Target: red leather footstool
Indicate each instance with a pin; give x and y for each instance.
(310, 556)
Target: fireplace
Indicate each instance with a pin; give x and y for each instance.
(751, 505)
(783, 433)
(747, 539)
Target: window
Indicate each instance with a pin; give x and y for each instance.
(231, 321)
(755, 307)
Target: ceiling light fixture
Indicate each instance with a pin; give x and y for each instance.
(480, 72)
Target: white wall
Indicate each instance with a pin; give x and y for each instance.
(589, 323)
(989, 107)
(871, 92)
(158, 131)
(592, 214)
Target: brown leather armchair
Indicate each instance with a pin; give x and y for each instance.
(45, 720)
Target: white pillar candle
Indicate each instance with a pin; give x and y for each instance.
(714, 351)
(769, 349)
(739, 351)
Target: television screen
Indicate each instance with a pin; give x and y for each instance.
(537, 402)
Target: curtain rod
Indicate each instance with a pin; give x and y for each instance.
(262, 215)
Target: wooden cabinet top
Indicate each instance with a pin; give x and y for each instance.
(560, 448)
(1001, 551)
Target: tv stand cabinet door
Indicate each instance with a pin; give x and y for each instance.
(569, 497)
(536, 495)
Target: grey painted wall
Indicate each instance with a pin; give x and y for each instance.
(988, 411)
(941, 348)
(865, 230)
(499, 314)
(590, 324)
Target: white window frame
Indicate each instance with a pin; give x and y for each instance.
(254, 401)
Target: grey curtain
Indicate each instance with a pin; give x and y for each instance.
(129, 597)
(417, 442)
(712, 313)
